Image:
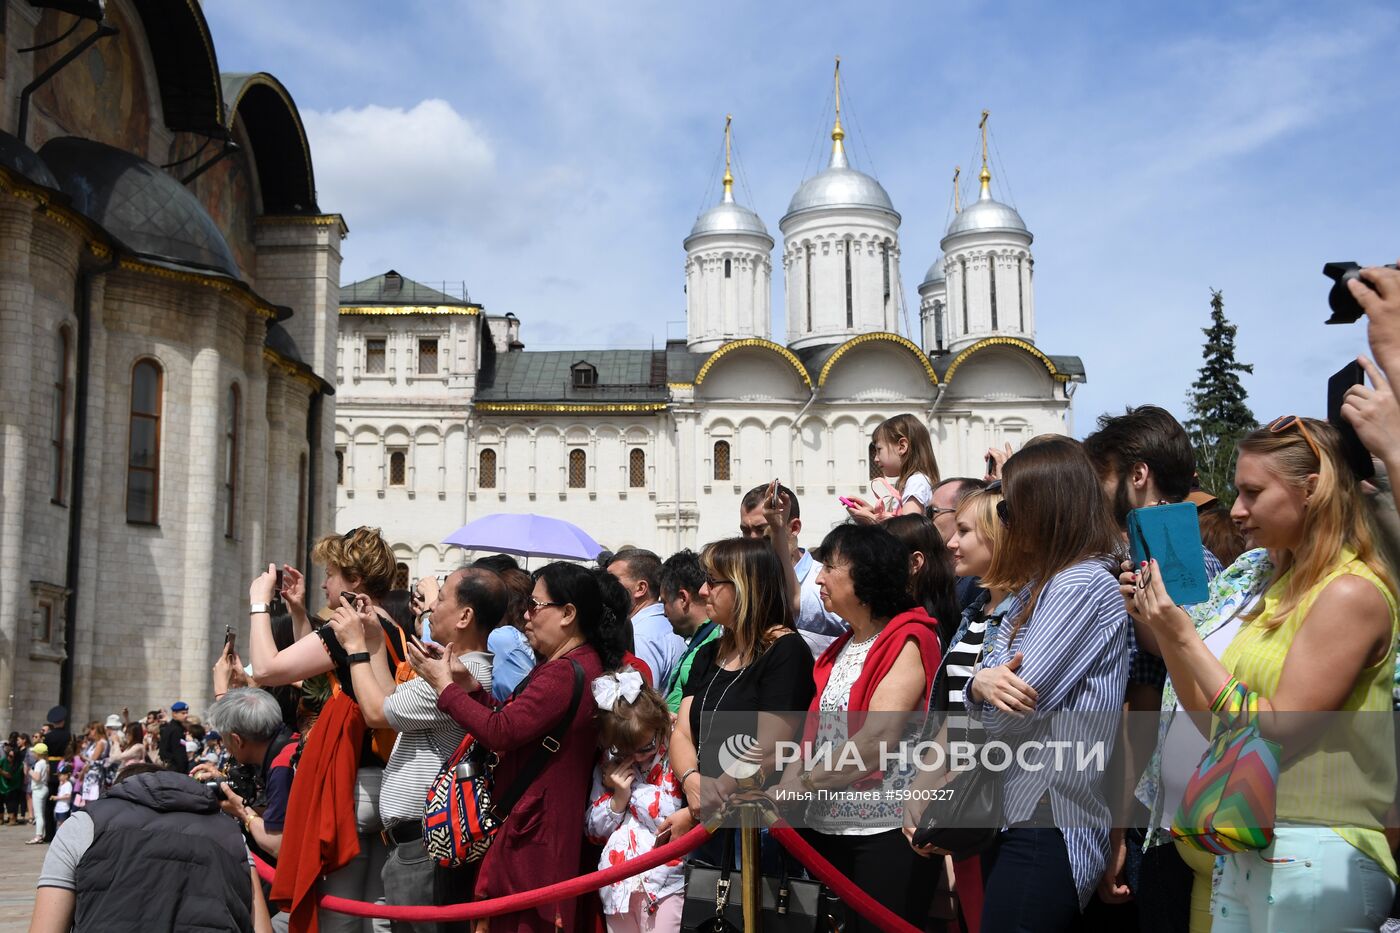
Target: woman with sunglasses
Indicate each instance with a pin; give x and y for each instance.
(871, 690)
(1062, 649)
(1320, 639)
(748, 690)
(574, 633)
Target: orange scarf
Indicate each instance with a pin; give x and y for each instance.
(320, 834)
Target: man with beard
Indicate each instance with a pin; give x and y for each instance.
(1143, 458)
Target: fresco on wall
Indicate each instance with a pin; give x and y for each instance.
(101, 96)
(227, 192)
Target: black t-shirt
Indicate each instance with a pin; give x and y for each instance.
(779, 680)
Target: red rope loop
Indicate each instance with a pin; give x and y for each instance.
(821, 869)
(510, 903)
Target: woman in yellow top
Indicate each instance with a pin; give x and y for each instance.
(1321, 639)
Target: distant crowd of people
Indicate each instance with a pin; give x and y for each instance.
(953, 608)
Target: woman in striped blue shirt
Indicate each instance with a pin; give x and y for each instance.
(1063, 649)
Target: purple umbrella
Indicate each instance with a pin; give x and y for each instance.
(528, 535)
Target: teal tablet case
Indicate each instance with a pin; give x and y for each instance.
(1171, 535)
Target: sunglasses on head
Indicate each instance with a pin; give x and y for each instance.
(1290, 422)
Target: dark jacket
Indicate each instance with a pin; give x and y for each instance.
(172, 747)
(164, 828)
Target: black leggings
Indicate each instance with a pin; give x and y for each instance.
(13, 803)
(883, 866)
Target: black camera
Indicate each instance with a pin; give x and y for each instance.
(1345, 309)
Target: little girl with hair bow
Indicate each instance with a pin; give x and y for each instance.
(634, 790)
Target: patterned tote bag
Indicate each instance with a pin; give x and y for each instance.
(1229, 803)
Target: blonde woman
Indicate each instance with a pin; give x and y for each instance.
(1320, 639)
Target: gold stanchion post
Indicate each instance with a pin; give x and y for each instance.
(752, 871)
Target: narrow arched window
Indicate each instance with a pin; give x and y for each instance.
(850, 302)
(727, 269)
(231, 460)
(398, 460)
(992, 275)
(486, 469)
(962, 278)
(578, 469)
(143, 444)
(636, 468)
(400, 576)
(58, 429)
(807, 270)
(885, 265)
(721, 460)
(340, 467)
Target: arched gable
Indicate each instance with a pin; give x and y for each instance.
(1013, 342)
(277, 137)
(878, 367)
(878, 338)
(753, 368)
(187, 70)
(1002, 367)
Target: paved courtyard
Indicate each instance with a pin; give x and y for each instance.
(17, 879)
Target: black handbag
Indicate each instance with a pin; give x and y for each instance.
(966, 817)
(714, 899)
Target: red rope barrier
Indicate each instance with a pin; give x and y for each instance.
(826, 873)
(510, 903)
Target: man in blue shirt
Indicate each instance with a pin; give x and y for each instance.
(655, 643)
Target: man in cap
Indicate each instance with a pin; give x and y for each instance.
(56, 738)
(172, 739)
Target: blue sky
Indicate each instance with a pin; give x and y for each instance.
(554, 155)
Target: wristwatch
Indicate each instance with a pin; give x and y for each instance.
(255, 608)
(359, 657)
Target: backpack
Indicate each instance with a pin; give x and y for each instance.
(463, 815)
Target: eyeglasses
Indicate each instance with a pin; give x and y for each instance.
(1004, 513)
(935, 510)
(713, 582)
(537, 604)
(1286, 422)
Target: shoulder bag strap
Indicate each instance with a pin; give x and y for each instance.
(548, 746)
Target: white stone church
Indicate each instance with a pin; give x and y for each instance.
(442, 415)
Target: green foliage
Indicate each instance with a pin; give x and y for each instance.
(1220, 414)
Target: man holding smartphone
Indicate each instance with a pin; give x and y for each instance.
(771, 511)
(469, 605)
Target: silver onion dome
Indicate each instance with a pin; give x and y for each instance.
(935, 273)
(728, 217)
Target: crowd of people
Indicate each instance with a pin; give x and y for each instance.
(603, 700)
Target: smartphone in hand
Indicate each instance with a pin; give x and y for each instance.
(230, 636)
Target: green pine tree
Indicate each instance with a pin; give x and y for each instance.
(1220, 414)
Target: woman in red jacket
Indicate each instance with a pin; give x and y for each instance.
(884, 666)
(568, 624)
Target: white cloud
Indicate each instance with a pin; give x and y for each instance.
(389, 166)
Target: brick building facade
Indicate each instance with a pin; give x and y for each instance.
(168, 297)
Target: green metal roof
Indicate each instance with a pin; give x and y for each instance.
(394, 290)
